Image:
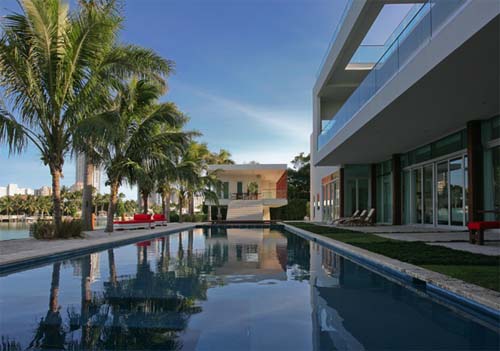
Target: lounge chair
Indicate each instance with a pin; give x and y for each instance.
(363, 220)
(140, 221)
(160, 219)
(355, 218)
(343, 219)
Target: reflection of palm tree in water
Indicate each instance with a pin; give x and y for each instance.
(86, 300)
(164, 261)
(113, 278)
(50, 333)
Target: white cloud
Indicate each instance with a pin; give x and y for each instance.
(291, 123)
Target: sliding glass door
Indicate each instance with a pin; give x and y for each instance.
(438, 192)
(442, 193)
(428, 200)
(357, 195)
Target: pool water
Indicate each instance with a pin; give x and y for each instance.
(225, 289)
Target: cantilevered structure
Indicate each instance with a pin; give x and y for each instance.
(410, 127)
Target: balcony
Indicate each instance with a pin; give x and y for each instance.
(263, 194)
(417, 33)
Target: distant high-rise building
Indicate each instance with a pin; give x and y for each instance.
(44, 191)
(13, 189)
(80, 170)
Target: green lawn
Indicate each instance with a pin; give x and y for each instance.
(473, 268)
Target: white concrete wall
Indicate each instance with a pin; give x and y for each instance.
(264, 186)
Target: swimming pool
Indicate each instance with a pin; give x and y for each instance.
(226, 289)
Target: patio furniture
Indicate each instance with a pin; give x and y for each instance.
(368, 219)
(476, 230)
(140, 221)
(343, 219)
(160, 219)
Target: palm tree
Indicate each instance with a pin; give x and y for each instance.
(195, 179)
(30, 205)
(44, 205)
(146, 184)
(134, 135)
(223, 157)
(6, 206)
(55, 67)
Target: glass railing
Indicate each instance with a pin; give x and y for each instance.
(417, 33)
(367, 54)
(335, 33)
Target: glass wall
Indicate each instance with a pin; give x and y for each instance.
(437, 192)
(442, 192)
(331, 203)
(384, 192)
(491, 142)
(428, 194)
(457, 191)
(357, 188)
(406, 183)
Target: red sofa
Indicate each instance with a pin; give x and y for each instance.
(140, 221)
(160, 219)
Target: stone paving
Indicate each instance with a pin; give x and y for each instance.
(473, 292)
(491, 248)
(23, 250)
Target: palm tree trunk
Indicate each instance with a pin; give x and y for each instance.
(180, 209)
(56, 194)
(113, 199)
(163, 203)
(145, 203)
(167, 206)
(88, 175)
(191, 204)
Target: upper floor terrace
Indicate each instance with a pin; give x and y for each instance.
(267, 182)
(367, 93)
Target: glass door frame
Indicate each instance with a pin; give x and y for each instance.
(434, 162)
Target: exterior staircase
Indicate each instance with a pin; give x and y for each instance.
(245, 210)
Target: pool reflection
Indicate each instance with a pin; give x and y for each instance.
(233, 289)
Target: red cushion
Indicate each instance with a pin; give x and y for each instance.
(141, 216)
(483, 225)
(159, 217)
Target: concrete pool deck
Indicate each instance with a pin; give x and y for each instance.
(486, 299)
(19, 251)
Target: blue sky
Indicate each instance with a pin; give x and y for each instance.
(244, 73)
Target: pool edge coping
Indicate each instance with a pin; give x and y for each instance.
(473, 296)
(15, 265)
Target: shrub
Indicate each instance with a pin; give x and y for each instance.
(174, 217)
(47, 230)
(296, 209)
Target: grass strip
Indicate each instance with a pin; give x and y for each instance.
(482, 270)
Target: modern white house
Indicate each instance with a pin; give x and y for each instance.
(410, 127)
(249, 191)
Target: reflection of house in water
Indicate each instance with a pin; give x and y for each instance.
(248, 255)
(326, 270)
